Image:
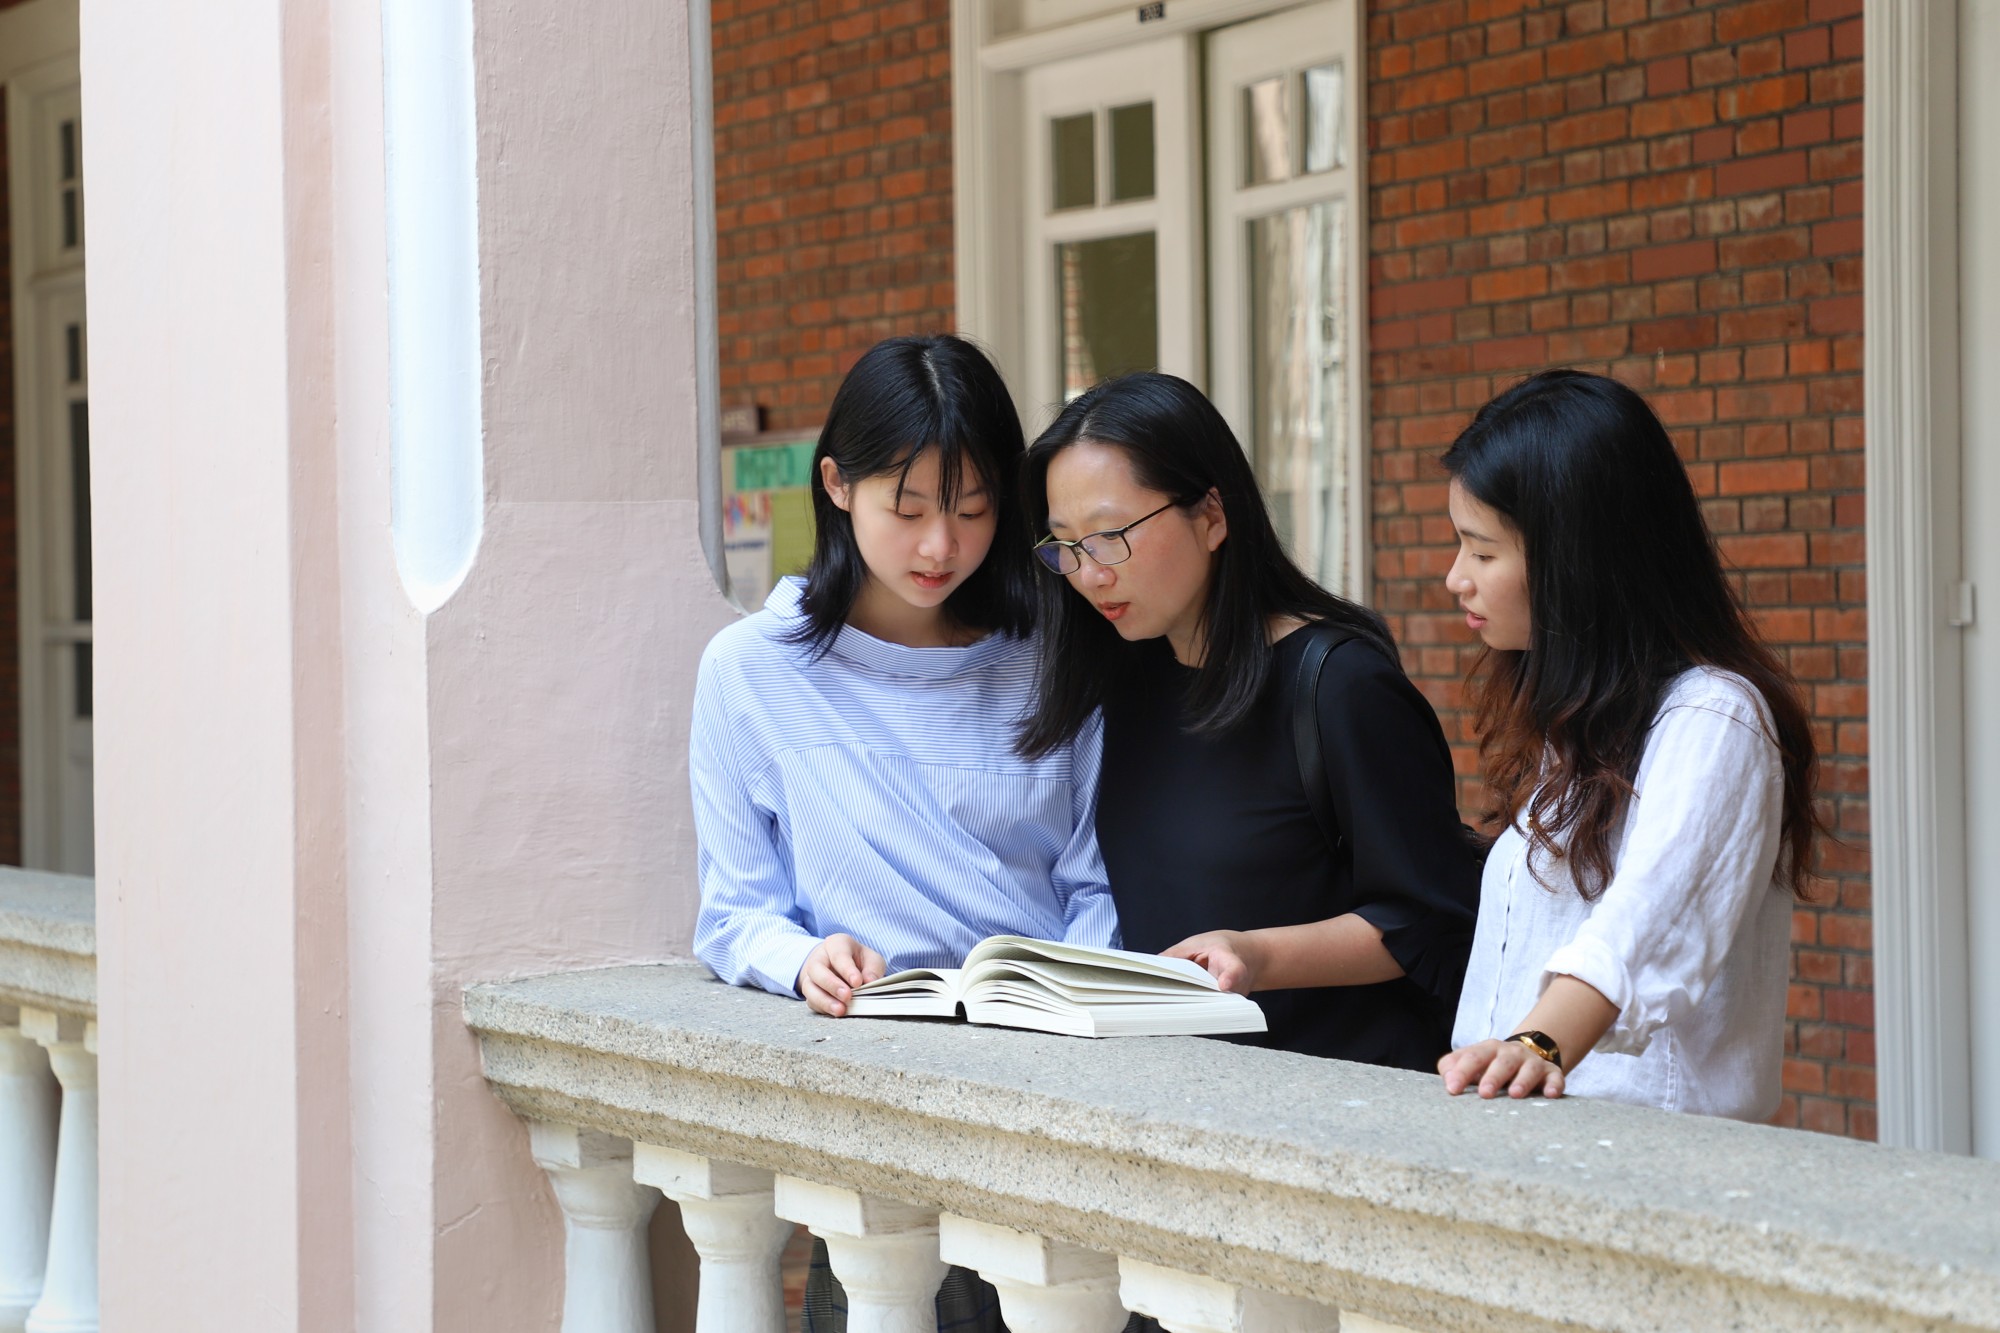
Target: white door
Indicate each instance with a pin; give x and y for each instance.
(1287, 275)
(1113, 222)
(52, 469)
(1979, 433)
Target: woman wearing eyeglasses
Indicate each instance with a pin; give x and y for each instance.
(1346, 912)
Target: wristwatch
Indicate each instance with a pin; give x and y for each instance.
(1542, 1044)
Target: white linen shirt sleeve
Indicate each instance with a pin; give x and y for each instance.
(1700, 845)
(748, 929)
(1090, 916)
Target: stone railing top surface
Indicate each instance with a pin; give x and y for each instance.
(48, 940)
(1364, 1187)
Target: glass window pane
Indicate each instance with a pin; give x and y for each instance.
(79, 499)
(1299, 410)
(1107, 300)
(71, 222)
(66, 136)
(1267, 122)
(1326, 107)
(73, 352)
(1132, 151)
(83, 665)
(1073, 153)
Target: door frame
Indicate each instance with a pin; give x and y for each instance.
(40, 40)
(989, 63)
(1916, 610)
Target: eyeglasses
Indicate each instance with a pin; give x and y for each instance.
(1106, 548)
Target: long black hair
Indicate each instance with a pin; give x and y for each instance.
(905, 396)
(1180, 446)
(1625, 592)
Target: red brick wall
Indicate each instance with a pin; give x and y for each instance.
(1669, 192)
(833, 191)
(10, 675)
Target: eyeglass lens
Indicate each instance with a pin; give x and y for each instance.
(1106, 548)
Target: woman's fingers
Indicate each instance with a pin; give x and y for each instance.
(1228, 970)
(843, 954)
(1500, 1070)
(1462, 1067)
(833, 969)
(1500, 1067)
(822, 992)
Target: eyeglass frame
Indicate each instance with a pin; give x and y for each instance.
(1074, 547)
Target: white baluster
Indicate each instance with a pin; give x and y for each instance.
(1045, 1286)
(68, 1302)
(607, 1276)
(728, 1214)
(1191, 1303)
(884, 1253)
(27, 1169)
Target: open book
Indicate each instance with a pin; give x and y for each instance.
(1010, 981)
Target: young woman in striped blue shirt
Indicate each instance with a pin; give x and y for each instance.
(858, 801)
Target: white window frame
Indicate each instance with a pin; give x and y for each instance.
(39, 72)
(1166, 73)
(993, 48)
(1231, 206)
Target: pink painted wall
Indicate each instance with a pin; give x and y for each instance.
(220, 869)
(323, 814)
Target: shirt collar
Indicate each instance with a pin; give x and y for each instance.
(881, 658)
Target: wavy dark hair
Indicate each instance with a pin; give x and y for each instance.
(1625, 592)
(1179, 446)
(903, 397)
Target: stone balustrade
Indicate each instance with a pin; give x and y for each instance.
(1212, 1186)
(48, 1103)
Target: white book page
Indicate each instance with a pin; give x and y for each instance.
(1138, 965)
(920, 992)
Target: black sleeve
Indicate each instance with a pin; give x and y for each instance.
(1389, 771)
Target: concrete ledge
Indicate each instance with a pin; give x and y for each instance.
(48, 941)
(1363, 1188)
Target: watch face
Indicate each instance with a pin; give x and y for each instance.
(1540, 1045)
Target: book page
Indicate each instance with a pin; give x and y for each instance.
(1138, 966)
(919, 992)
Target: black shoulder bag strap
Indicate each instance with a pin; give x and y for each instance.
(1305, 726)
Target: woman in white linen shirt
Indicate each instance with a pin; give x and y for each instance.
(1651, 764)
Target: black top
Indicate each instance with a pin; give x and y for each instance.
(1214, 833)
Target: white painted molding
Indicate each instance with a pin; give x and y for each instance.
(1915, 694)
(884, 1251)
(436, 432)
(1108, 32)
(707, 335)
(607, 1275)
(28, 1103)
(68, 1301)
(1196, 1303)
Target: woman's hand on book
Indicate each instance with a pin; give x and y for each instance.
(1496, 1067)
(1233, 957)
(834, 969)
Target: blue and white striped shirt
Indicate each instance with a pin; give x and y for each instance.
(875, 792)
